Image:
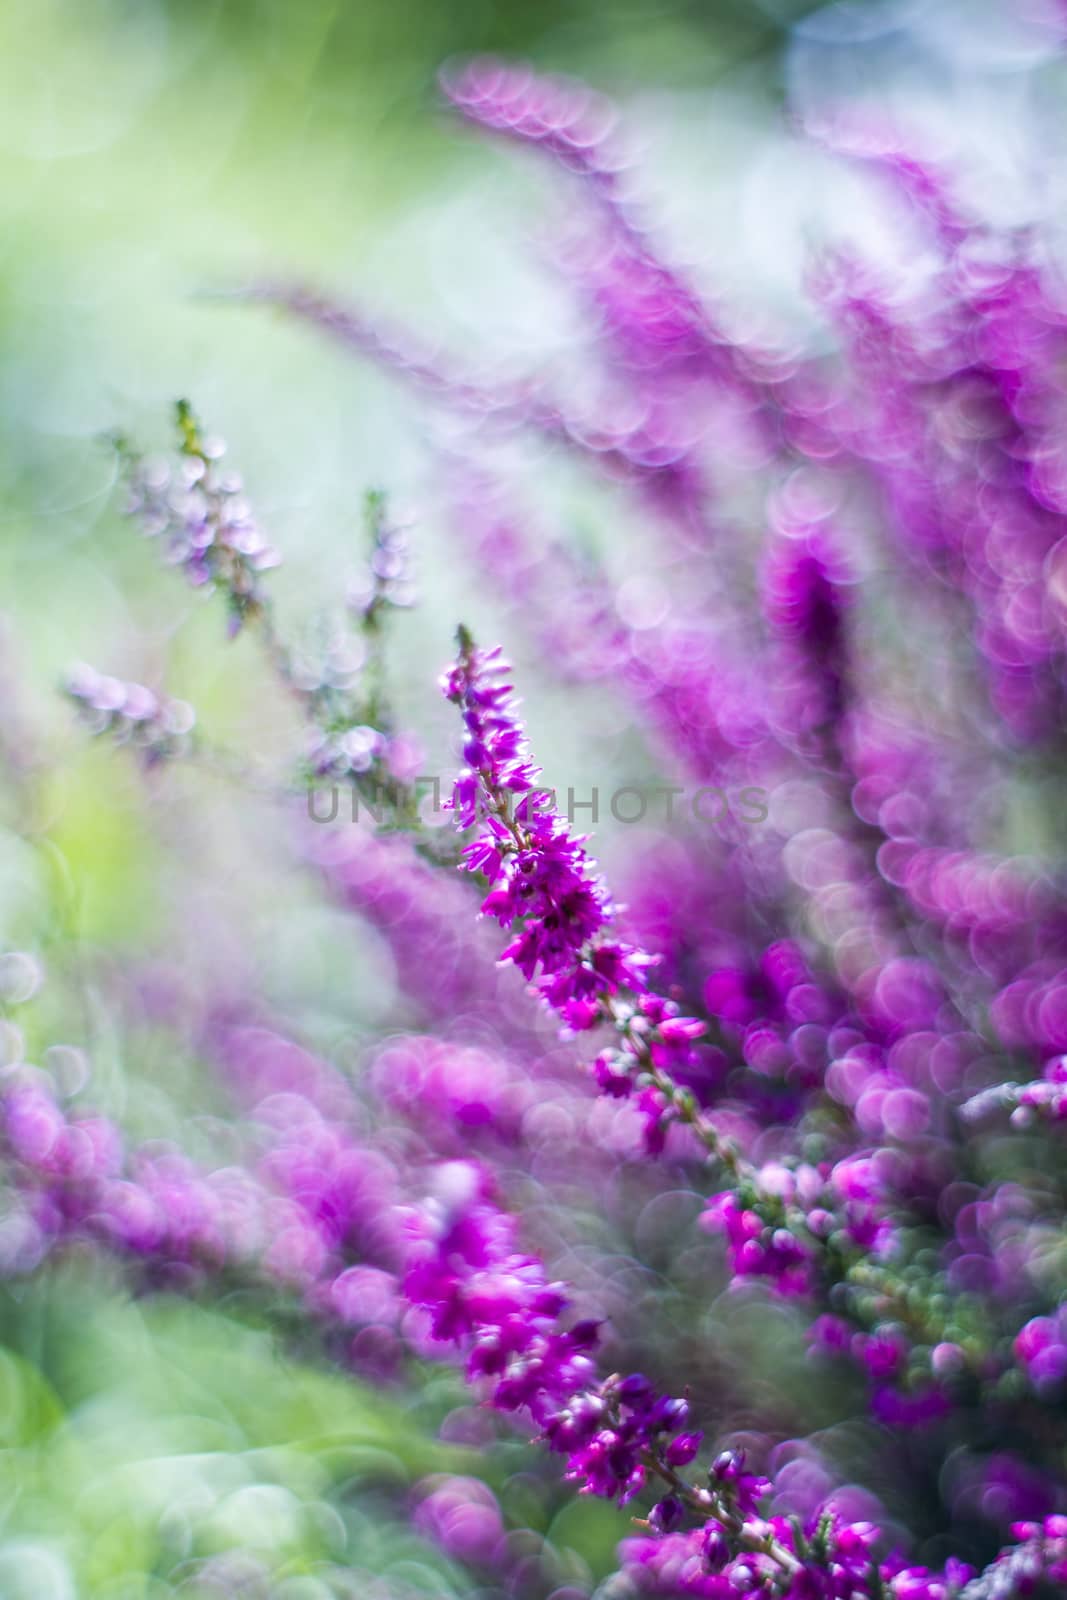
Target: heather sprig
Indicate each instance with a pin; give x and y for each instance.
(526, 1352)
(197, 508)
(653, 313)
(544, 887)
(386, 582)
(158, 728)
(835, 1559)
(338, 685)
(352, 735)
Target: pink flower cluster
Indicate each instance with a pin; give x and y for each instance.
(540, 877)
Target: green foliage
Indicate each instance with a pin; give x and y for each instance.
(138, 1434)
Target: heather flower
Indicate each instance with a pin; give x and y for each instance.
(1041, 1553)
(830, 1557)
(541, 879)
(805, 599)
(785, 1224)
(760, 1249)
(563, 115)
(352, 753)
(340, 685)
(544, 886)
(386, 581)
(647, 308)
(198, 510)
(482, 1293)
(157, 728)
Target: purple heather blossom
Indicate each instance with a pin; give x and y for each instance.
(654, 316)
(779, 1221)
(385, 583)
(836, 1560)
(158, 728)
(563, 115)
(197, 508)
(542, 882)
(462, 1516)
(805, 599)
(523, 1348)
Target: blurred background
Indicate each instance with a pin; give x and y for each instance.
(155, 160)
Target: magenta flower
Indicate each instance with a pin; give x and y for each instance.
(543, 885)
(198, 510)
(158, 728)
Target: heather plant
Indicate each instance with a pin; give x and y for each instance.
(735, 1200)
